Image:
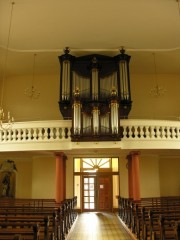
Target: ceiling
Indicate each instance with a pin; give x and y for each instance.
(46, 27)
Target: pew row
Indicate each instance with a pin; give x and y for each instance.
(24, 220)
(145, 218)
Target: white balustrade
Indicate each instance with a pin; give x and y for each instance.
(59, 131)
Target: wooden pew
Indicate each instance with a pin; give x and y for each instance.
(29, 232)
(150, 218)
(169, 227)
(61, 215)
(24, 224)
(135, 214)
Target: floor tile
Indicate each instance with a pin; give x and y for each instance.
(98, 226)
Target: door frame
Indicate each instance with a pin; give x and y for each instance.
(96, 177)
(79, 171)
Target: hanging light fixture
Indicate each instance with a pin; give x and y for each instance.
(32, 92)
(157, 91)
(6, 123)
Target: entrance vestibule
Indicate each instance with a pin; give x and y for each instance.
(96, 183)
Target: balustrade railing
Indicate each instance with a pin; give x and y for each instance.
(150, 129)
(37, 131)
(60, 130)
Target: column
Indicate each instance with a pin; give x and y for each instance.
(60, 191)
(134, 175)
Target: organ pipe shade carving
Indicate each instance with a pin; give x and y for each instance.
(103, 96)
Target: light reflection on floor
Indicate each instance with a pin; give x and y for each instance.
(98, 226)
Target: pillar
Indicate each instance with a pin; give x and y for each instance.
(60, 191)
(134, 175)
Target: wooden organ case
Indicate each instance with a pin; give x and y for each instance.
(95, 94)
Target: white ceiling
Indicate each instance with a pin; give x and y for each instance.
(46, 27)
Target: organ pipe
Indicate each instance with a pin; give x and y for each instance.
(114, 107)
(114, 117)
(95, 94)
(66, 80)
(124, 82)
(76, 114)
(95, 113)
(77, 118)
(95, 84)
(95, 79)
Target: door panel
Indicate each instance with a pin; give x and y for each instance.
(105, 193)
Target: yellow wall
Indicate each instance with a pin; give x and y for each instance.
(24, 178)
(43, 177)
(169, 173)
(158, 177)
(23, 108)
(123, 175)
(69, 177)
(149, 176)
(46, 107)
(150, 107)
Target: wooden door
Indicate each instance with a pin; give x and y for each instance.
(104, 193)
(97, 193)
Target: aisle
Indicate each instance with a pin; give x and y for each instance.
(98, 226)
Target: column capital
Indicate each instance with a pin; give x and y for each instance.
(61, 155)
(132, 153)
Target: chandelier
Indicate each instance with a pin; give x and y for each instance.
(32, 92)
(6, 123)
(156, 91)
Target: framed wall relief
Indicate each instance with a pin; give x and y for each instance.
(8, 179)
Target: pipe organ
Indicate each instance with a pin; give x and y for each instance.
(95, 94)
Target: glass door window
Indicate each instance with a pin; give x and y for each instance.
(89, 193)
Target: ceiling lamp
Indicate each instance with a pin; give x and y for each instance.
(6, 123)
(157, 91)
(32, 92)
(95, 94)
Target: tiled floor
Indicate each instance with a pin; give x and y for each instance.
(98, 226)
